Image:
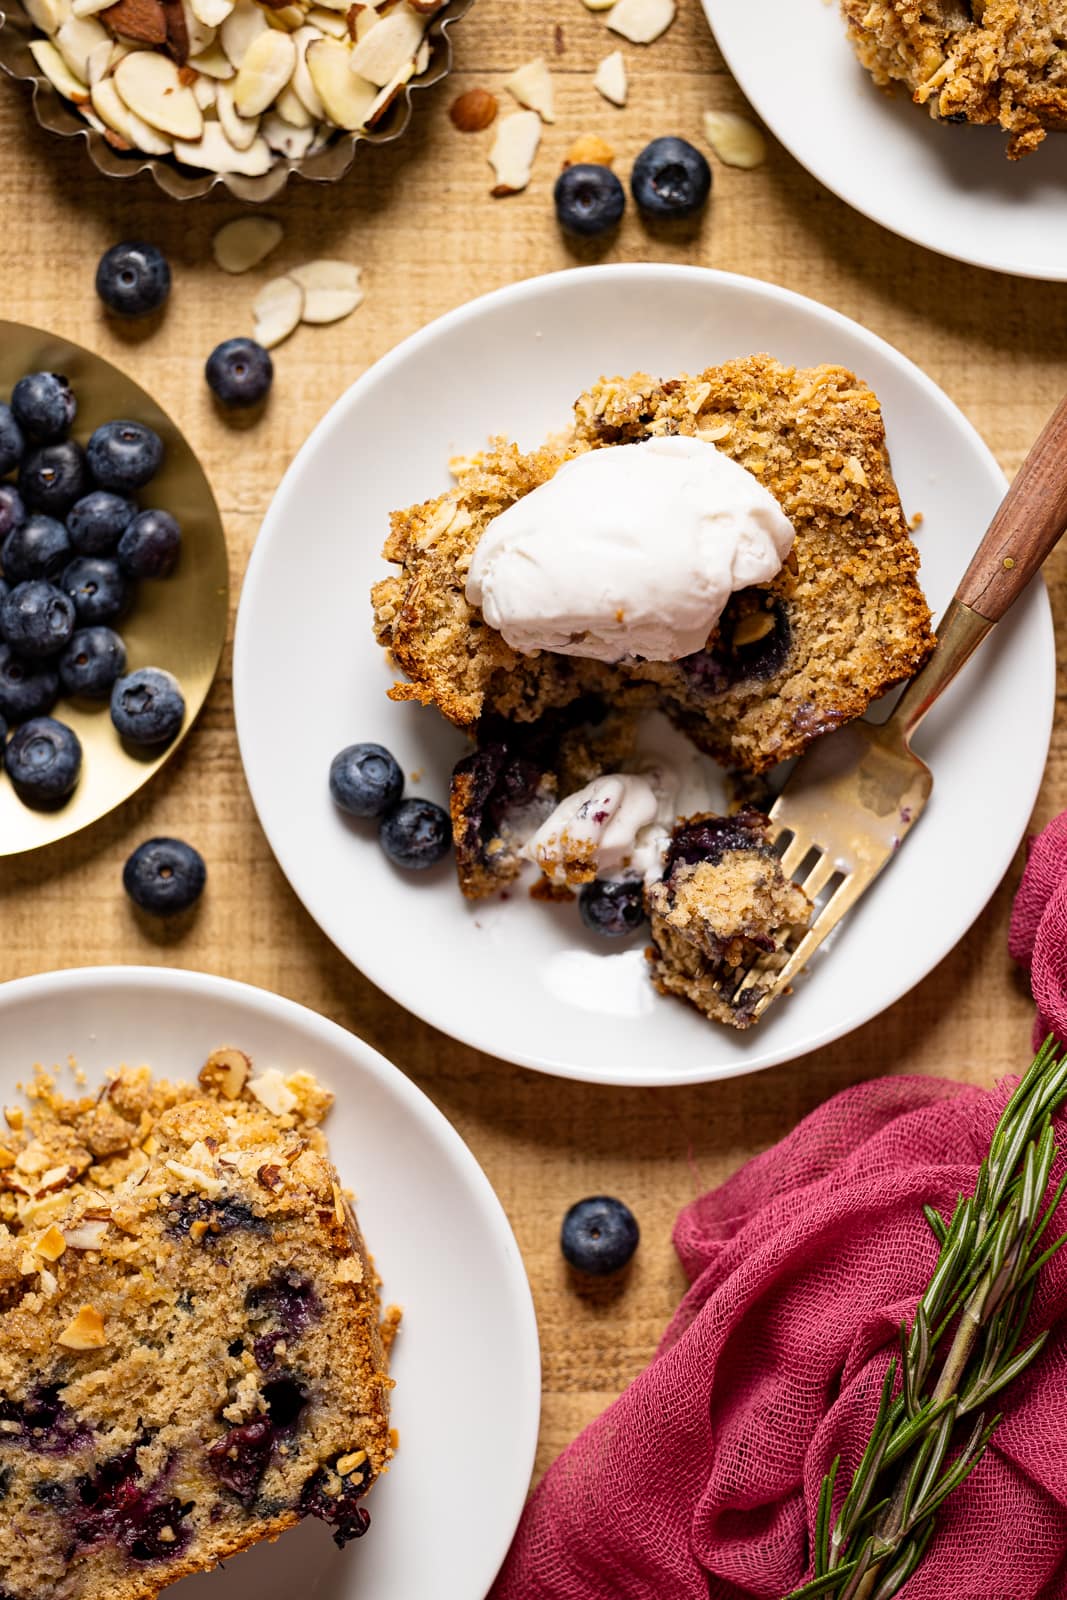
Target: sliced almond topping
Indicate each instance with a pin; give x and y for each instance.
(54, 1180)
(238, 246)
(531, 86)
(206, 1182)
(57, 72)
(331, 291)
(514, 148)
(213, 63)
(285, 138)
(753, 627)
(347, 98)
(86, 1235)
(264, 72)
(610, 78)
(270, 1088)
(346, 1465)
(51, 1245)
(143, 20)
(150, 86)
(301, 84)
(49, 1282)
(641, 21)
(86, 1332)
(382, 52)
(270, 1177)
(590, 148)
(15, 1117)
(239, 130)
(7, 1158)
(735, 140)
(243, 25)
(212, 13)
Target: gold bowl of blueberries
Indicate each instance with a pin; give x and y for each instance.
(114, 588)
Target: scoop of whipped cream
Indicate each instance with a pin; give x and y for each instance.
(630, 550)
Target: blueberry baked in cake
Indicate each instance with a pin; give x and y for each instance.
(190, 1352)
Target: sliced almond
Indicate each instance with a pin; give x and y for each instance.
(331, 291)
(599, 5)
(48, 15)
(51, 1245)
(269, 1087)
(286, 139)
(590, 148)
(86, 1332)
(347, 98)
(735, 140)
(289, 108)
(213, 63)
(143, 20)
(98, 62)
(381, 54)
(641, 21)
(422, 56)
(610, 78)
(214, 153)
(89, 8)
(111, 109)
(287, 19)
(57, 71)
(264, 72)
(238, 246)
(201, 35)
(474, 110)
(150, 86)
(88, 1234)
(302, 85)
(212, 13)
(239, 130)
(328, 22)
(277, 310)
(150, 140)
(360, 20)
(531, 86)
(343, 6)
(514, 148)
(77, 39)
(243, 25)
(205, 91)
(195, 1178)
(385, 97)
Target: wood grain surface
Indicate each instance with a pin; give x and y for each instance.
(418, 217)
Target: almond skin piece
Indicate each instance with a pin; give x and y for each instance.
(143, 20)
(474, 110)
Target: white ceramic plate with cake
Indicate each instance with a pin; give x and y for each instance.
(949, 188)
(466, 1364)
(515, 977)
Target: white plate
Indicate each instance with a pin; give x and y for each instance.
(466, 1360)
(946, 187)
(519, 979)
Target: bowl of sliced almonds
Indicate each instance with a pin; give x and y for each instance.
(232, 93)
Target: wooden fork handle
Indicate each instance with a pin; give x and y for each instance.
(1031, 520)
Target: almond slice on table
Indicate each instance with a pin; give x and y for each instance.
(514, 148)
(610, 78)
(641, 21)
(76, 40)
(57, 72)
(277, 310)
(264, 72)
(381, 53)
(240, 29)
(346, 97)
(331, 290)
(286, 139)
(302, 85)
(213, 63)
(242, 244)
(531, 86)
(142, 20)
(149, 84)
(735, 140)
(214, 152)
(291, 109)
(239, 130)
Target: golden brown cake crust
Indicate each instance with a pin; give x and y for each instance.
(843, 622)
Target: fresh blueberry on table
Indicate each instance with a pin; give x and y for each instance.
(27, 688)
(589, 199)
(164, 876)
(92, 661)
(12, 509)
(53, 476)
(239, 372)
(670, 178)
(365, 780)
(38, 548)
(148, 706)
(416, 834)
(133, 279)
(97, 522)
(12, 440)
(612, 909)
(43, 759)
(599, 1235)
(97, 588)
(44, 406)
(150, 544)
(124, 455)
(37, 619)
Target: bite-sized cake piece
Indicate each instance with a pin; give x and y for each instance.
(978, 61)
(843, 621)
(723, 904)
(190, 1352)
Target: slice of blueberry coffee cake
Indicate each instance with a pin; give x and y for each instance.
(722, 904)
(191, 1357)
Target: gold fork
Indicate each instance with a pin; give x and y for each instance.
(854, 797)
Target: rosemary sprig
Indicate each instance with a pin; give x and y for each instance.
(962, 1348)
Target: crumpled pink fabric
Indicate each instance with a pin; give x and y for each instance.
(1037, 938)
(700, 1482)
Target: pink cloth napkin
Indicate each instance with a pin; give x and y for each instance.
(1037, 938)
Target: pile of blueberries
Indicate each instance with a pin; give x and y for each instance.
(366, 781)
(73, 545)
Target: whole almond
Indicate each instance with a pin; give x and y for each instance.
(474, 110)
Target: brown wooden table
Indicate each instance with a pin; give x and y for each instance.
(418, 217)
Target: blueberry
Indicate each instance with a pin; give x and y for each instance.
(43, 760)
(599, 1235)
(124, 455)
(12, 442)
(589, 199)
(37, 619)
(670, 178)
(27, 688)
(53, 476)
(150, 545)
(365, 780)
(239, 372)
(164, 876)
(612, 909)
(3, 733)
(97, 522)
(97, 588)
(241, 1457)
(416, 834)
(12, 509)
(339, 1507)
(148, 706)
(92, 661)
(37, 548)
(133, 279)
(44, 406)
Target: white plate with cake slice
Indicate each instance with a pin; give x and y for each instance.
(465, 1361)
(949, 188)
(512, 976)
